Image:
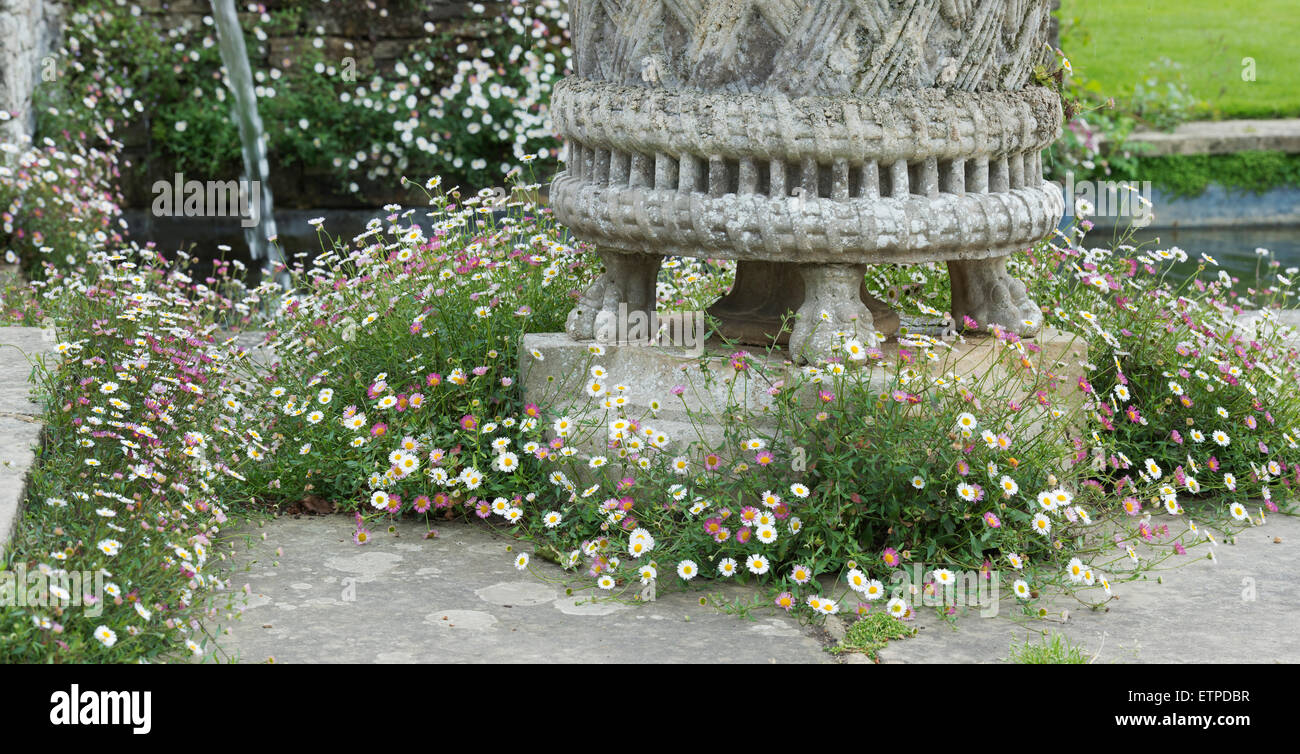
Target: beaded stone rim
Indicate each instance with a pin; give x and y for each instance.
(909, 126)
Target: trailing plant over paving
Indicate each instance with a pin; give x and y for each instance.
(393, 391)
(391, 384)
(116, 551)
(940, 467)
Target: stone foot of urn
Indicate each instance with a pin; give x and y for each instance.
(806, 141)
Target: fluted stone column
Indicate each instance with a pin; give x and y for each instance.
(807, 140)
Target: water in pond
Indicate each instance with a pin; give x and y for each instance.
(1233, 248)
(211, 238)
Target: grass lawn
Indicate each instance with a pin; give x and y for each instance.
(1113, 41)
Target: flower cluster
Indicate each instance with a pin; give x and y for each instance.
(134, 483)
(902, 458)
(58, 198)
(471, 106)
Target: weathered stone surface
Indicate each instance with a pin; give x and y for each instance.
(20, 427)
(1221, 137)
(1243, 608)
(26, 29)
(713, 387)
(809, 139)
(458, 598)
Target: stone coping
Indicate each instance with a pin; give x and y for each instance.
(1222, 137)
(1218, 207)
(20, 423)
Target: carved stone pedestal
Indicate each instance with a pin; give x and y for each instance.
(807, 140)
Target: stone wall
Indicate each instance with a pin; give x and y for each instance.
(27, 29)
(1054, 27)
(375, 32)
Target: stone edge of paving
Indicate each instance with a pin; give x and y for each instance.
(1221, 137)
(20, 423)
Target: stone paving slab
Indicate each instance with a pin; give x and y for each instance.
(402, 588)
(1200, 614)
(458, 598)
(20, 428)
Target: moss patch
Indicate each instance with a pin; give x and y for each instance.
(872, 633)
(1051, 651)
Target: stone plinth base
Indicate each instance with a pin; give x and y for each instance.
(711, 386)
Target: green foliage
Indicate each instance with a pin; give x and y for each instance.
(466, 107)
(1112, 93)
(1161, 100)
(1189, 175)
(1114, 41)
(1094, 143)
(56, 200)
(436, 327)
(872, 633)
(1054, 651)
(19, 304)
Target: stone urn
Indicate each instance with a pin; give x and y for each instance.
(806, 140)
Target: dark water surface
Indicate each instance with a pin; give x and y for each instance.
(1233, 248)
